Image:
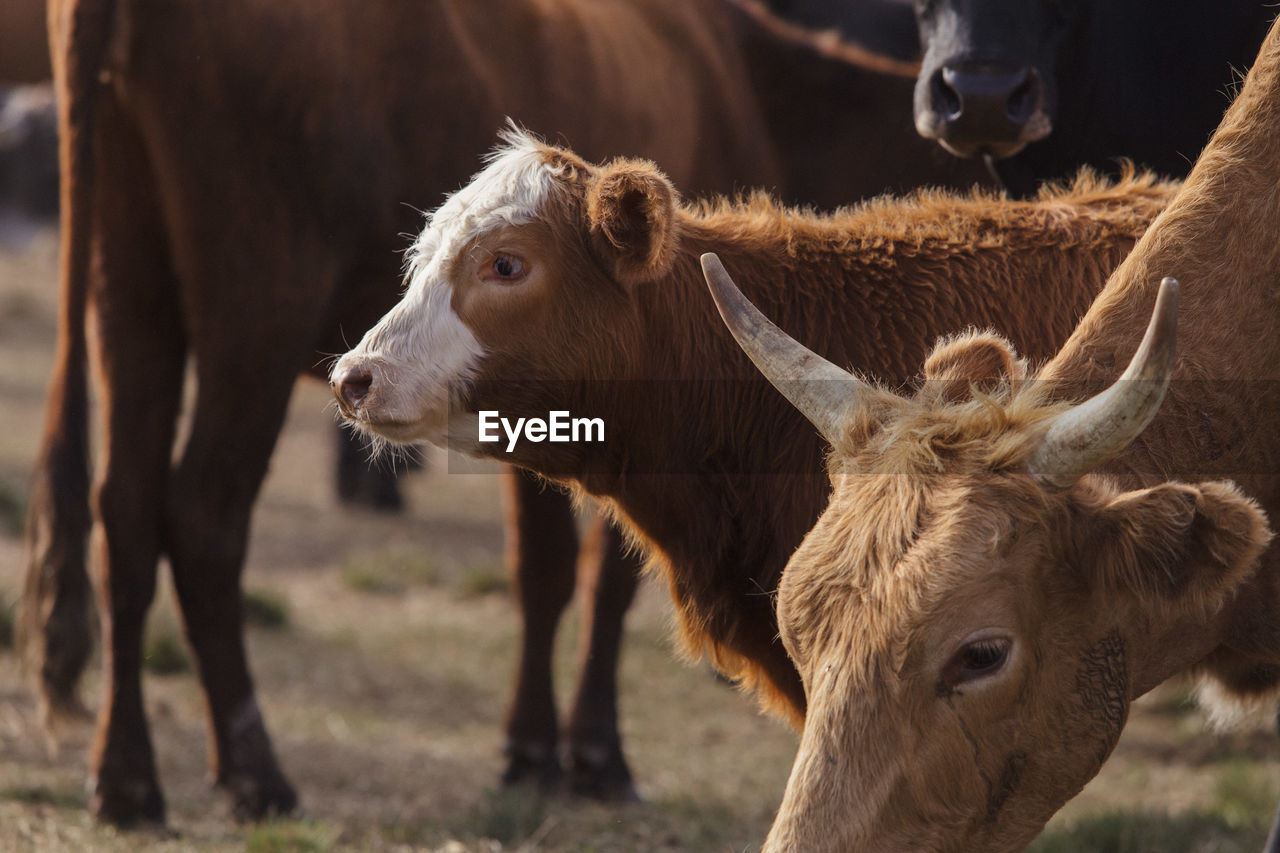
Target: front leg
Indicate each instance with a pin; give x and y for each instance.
(542, 552)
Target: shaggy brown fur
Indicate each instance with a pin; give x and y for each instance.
(938, 539)
(240, 170)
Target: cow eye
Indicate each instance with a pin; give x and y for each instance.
(975, 660)
(506, 268)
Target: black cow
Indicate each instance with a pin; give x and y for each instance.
(1041, 87)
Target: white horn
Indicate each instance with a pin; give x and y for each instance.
(1089, 434)
(820, 390)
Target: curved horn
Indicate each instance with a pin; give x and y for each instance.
(1085, 436)
(820, 390)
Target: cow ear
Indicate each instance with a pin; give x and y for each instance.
(1181, 546)
(971, 359)
(631, 209)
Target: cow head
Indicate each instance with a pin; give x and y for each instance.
(975, 610)
(521, 280)
(987, 80)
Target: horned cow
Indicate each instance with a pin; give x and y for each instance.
(998, 576)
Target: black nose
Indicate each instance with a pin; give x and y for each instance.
(988, 110)
(351, 387)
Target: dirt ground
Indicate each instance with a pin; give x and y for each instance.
(386, 684)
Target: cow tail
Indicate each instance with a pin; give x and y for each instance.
(55, 634)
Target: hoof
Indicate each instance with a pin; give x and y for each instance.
(254, 799)
(533, 765)
(127, 803)
(376, 490)
(601, 773)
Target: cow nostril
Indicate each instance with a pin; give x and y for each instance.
(354, 386)
(947, 101)
(1021, 100)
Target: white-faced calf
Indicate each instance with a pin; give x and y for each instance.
(553, 284)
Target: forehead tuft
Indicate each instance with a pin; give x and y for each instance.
(511, 189)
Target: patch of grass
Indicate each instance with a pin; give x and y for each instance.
(291, 836)
(13, 510)
(42, 795)
(1147, 832)
(510, 815)
(1244, 794)
(164, 653)
(264, 609)
(483, 579)
(390, 572)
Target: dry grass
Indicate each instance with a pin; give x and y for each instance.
(385, 679)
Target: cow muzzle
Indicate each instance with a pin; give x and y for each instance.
(981, 109)
(351, 384)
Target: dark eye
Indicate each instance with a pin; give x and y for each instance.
(975, 660)
(508, 266)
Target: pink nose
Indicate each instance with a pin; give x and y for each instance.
(351, 386)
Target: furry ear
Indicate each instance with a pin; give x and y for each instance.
(982, 359)
(1179, 546)
(631, 208)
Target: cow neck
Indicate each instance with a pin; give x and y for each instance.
(874, 300)
(1218, 238)
(710, 462)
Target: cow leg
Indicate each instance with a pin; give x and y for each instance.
(542, 551)
(141, 354)
(608, 578)
(126, 547)
(237, 419)
(361, 483)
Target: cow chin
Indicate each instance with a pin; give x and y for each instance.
(945, 808)
(996, 150)
(393, 431)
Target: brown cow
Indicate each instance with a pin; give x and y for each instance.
(999, 575)
(548, 275)
(242, 211)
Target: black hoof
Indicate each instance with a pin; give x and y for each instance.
(371, 489)
(254, 799)
(533, 765)
(601, 773)
(127, 803)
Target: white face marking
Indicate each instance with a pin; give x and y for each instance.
(421, 352)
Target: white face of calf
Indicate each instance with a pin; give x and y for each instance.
(520, 291)
(399, 382)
